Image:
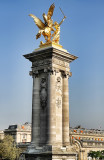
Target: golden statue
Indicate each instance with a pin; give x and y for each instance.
(48, 26)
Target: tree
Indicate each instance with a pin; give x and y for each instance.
(96, 154)
(92, 154)
(8, 149)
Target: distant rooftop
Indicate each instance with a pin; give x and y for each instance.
(26, 126)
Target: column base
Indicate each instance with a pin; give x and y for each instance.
(49, 156)
(33, 149)
(49, 153)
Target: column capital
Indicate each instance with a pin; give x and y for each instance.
(66, 74)
(52, 70)
(34, 73)
(48, 70)
(82, 150)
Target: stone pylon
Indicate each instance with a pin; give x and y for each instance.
(50, 104)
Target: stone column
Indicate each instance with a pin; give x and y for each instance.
(51, 110)
(82, 155)
(65, 111)
(50, 117)
(36, 111)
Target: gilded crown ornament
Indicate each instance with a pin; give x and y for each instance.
(50, 30)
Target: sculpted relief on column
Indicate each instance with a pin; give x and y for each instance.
(59, 92)
(58, 101)
(43, 92)
(59, 85)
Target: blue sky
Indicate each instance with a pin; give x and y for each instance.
(82, 34)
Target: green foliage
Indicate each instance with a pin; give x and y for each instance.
(96, 154)
(91, 154)
(8, 149)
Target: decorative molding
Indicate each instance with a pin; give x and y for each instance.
(48, 62)
(50, 70)
(41, 62)
(51, 66)
(60, 62)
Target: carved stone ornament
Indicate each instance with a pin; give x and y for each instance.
(41, 63)
(59, 86)
(58, 102)
(43, 92)
(60, 62)
(34, 73)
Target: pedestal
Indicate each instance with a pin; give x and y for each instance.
(50, 104)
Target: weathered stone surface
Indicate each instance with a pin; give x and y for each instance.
(50, 105)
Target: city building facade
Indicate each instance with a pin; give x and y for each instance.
(20, 133)
(83, 140)
(86, 140)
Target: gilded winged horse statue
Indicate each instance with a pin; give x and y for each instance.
(48, 26)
